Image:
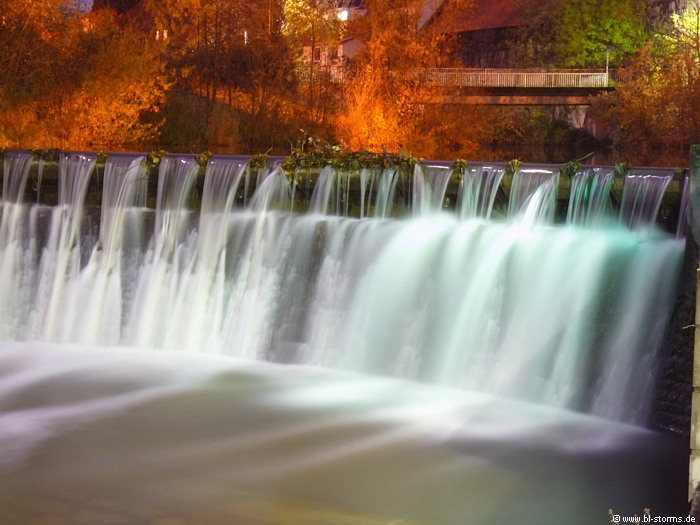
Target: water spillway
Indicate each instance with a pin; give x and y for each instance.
(491, 303)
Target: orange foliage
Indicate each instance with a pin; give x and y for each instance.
(93, 86)
(387, 104)
(369, 120)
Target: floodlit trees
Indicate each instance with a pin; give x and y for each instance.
(312, 25)
(232, 71)
(387, 104)
(75, 80)
(119, 97)
(246, 76)
(592, 29)
(583, 33)
(656, 106)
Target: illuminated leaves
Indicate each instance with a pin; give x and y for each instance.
(591, 29)
(385, 105)
(657, 104)
(583, 33)
(312, 19)
(96, 85)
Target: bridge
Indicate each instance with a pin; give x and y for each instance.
(524, 87)
(542, 87)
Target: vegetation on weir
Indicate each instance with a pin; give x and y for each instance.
(232, 77)
(311, 155)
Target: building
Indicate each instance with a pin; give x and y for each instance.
(336, 54)
(482, 30)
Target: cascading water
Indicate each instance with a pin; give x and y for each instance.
(536, 184)
(558, 320)
(15, 172)
(429, 186)
(589, 202)
(124, 188)
(478, 191)
(641, 198)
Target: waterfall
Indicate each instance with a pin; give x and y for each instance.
(683, 208)
(589, 199)
(429, 186)
(367, 176)
(363, 362)
(331, 193)
(526, 183)
(15, 172)
(124, 179)
(477, 191)
(16, 264)
(273, 193)
(510, 308)
(385, 192)
(60, 261)
(641, 199)
(176, 177)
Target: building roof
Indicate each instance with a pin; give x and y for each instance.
(478, 15)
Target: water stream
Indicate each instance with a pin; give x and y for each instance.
(440, 368)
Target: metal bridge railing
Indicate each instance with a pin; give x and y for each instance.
(522, 78)
(486, 78)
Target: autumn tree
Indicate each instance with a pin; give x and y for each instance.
(582, 33)
(387, 102)
(76, 80)
(196, 35)
(38, 40)
(263, 70)
(312, 27)
(382, 101)
(232, 71)
(120, 95)
(656, 105)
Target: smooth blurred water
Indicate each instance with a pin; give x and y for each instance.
(502, 334)
(540, 313)
(119, 435)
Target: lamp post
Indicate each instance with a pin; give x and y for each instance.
(607, 65)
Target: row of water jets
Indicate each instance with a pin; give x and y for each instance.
(560, 316)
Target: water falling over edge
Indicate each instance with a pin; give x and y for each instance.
(396, 282)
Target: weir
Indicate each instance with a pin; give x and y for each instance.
(539, 322)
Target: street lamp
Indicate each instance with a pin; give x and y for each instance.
(607, 64)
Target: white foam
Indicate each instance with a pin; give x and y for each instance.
(117, 435)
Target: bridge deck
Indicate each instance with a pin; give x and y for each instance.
(568, 87)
